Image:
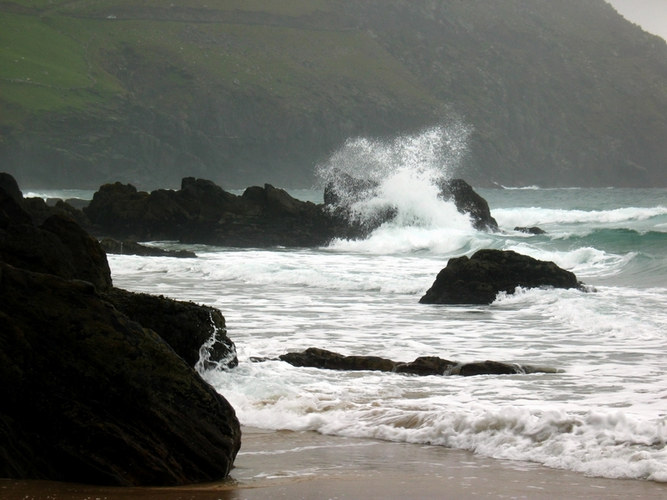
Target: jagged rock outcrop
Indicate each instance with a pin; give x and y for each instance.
(469, 202)
(203, 212)
(478, 279)
(90, 394)
(427, 365)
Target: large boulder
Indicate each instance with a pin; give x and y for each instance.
(478, 279)
(11, 188)
(89, 394)
(62, 248)
(92, 396)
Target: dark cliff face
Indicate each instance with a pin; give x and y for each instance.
(555, 93)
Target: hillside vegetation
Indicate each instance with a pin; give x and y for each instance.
(555, 92)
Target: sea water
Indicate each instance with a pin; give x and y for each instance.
(604, 413)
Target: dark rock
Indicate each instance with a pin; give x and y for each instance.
(91, 396)
(345, 190)
(127, 247)
(11, 188)
(185, 326)
(58, 247)
(321, 358)
(426, 365)
(76, 203)
(487, 368)
(115, 208)
(40, 210)
(469, 202)
(530, 230)
(88, 259)
(201, 212)
(11, 208)
(478, 279)
(423, 366)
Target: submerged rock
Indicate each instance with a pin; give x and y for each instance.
(478, 279)
(127, 247)
(530, 230)
(321, 358)
(314, 357)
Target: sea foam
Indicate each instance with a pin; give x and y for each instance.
(400, 177)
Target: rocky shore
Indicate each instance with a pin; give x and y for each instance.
(202, 212)
(98, 384)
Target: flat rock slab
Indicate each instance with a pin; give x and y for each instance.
(314, 357)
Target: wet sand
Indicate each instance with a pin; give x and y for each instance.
(305, 465)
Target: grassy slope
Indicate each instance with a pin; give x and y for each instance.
(84, 62)
(62, 49)
(110, 89)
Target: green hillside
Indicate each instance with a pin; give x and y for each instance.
(242, 92)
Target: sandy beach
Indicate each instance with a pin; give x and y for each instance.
(305, 465)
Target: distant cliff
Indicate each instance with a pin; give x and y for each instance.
(555, 92)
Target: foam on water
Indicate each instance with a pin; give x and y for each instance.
(603, 414)
(401, 176)
(535, 216)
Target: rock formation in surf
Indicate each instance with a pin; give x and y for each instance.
(91, 393)
(202, 212)
(426, 365)
(344, 191)
(478, 279)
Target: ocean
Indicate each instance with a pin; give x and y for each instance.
(603, 414)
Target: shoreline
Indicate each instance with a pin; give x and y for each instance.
(306, 465)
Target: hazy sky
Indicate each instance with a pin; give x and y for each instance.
(649, 14)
